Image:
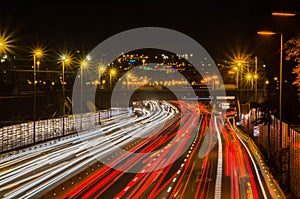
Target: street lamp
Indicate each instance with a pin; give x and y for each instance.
(65, 60)
(239, 72)
(36, 54)
(101, 69)
(269, 33)
(249, 81)
(84, 64)
(128, 76)
(38, 74)
(6, 41)
(236, 71)
(283, 14)
(112, 73)
(255, 76)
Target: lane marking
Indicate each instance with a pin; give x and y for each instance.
(218, 185)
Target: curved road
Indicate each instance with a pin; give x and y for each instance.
(171, 149)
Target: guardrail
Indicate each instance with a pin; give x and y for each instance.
(20, 135)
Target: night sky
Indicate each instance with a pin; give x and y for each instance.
(222, 28)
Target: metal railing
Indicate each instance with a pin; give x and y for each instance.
(286, 158)
(21, 135)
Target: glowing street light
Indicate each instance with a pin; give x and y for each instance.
(101, 69)
(84, 64)
(269, 33)
(239, 70)
(36, 54)
(128, 76)
(112, 73)
(266, 32)
(65, 59)
(284, 14)
(6, 41)
(281, 14)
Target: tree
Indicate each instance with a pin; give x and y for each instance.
(292, 51)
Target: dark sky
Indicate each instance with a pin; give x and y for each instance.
(222, 28)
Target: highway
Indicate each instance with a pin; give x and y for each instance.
(174, 149)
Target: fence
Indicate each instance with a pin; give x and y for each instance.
(286, 158)
(20, 135)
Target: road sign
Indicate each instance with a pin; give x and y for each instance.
(256, 131)
(225, 105)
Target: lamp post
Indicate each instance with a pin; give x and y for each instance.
(38, 74)
(239, 70)
(101, 69)
(83, 65)
(37, 53)
(112, 73)
(269, 33)
(128, 76)
(239, 75)
(64, 60)
(249, 79)
(256, 91)
(281, 14)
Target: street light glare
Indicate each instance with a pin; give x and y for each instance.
(84, 63)
(88, 58)
(248, 76)
(283, 14)
(113, 71)
(65, 58)
(6, 41)
(101, 67)
(265, 32)
(38, 53)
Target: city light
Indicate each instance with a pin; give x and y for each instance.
(265, 32)
(6, 43)
(112, 74)
(284, 14)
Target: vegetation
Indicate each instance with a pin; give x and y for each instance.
(292, 51)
